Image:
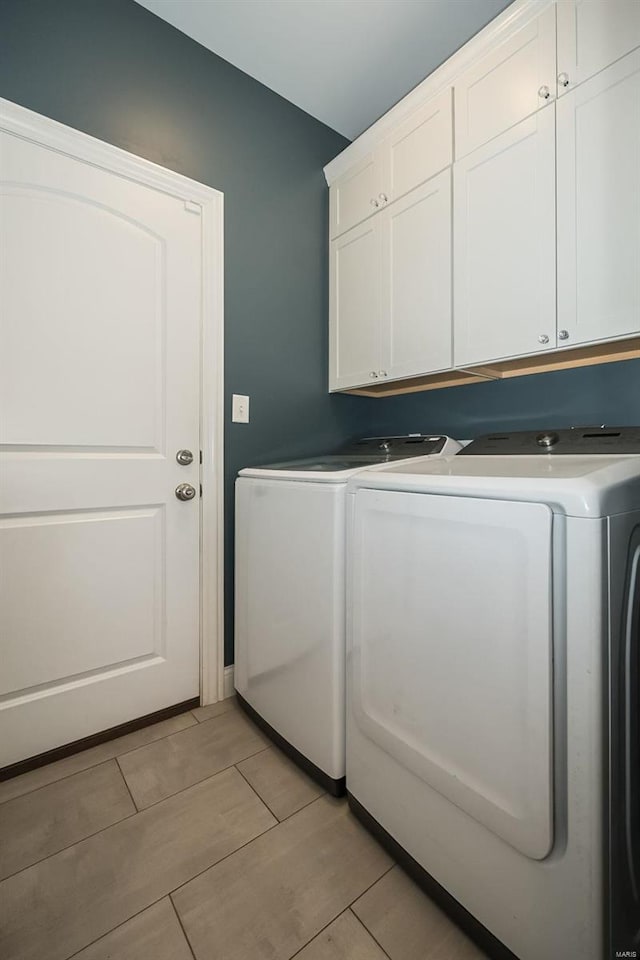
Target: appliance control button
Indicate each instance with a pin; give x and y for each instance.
(385, 445)
(547, 439)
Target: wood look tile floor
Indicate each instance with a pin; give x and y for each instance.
(196, 838)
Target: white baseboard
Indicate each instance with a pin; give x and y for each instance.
(229, 689)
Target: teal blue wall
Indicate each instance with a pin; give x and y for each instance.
(609, 393)
(111, 69)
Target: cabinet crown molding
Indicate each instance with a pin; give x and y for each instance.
(517, 14)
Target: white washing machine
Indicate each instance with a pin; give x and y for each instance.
(493, 722)
(290, 596)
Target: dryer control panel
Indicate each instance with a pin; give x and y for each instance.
(574, 440)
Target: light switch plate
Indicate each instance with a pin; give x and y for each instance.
(239, 408)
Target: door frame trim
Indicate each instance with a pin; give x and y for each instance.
(56, 136)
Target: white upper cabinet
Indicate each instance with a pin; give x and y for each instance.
(416, 283)
(504, 245)
(509, 83)
(355, 196)
(592, 34)
(355, 274)
(531, 135)
(598, 140)
(419, 147)
(390, 291)
(416, 149)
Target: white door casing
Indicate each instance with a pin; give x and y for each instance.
(105, 296)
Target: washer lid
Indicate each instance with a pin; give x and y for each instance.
(580, 486)
(356, 456)
(327, 469)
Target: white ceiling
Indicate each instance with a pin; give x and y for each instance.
(343, 61)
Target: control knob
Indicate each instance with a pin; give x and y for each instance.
(547, 439)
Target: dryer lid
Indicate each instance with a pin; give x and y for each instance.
(580, 486)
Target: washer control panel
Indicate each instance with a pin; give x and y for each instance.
(397, 448)
(575, 440)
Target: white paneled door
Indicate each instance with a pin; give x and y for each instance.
(100, 324)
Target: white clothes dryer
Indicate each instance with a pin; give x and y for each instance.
(290, 596)
(493, 681)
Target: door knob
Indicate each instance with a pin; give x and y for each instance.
(185, 491)
(184, 457)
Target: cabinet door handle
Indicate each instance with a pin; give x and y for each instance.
(544, 92)
(543, 338)
(563, 335)
(383, 197)
(374, 202)
(374, 375)
(563, 79)
(382, 373)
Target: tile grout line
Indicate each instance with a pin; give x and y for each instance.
(261, 799)
(377, 880)
(182, 927)
(90, 766)
(340, 912)
(221, 714)
(192, 726)
(226, 857)
(169, 893)
(304, 806)
(135, 812)
(363, 924)
(70, 846)
(208, 777)
(137, 808)
(293, 812)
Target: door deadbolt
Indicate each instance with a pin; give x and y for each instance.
(185, 491)
(184, 457)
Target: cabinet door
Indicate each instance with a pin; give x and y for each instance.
(592, 34)
(599, 206)
(419, 147)
(416, 284)
(355, 307)
(504, 245)
(512, 81)
(356, 195)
